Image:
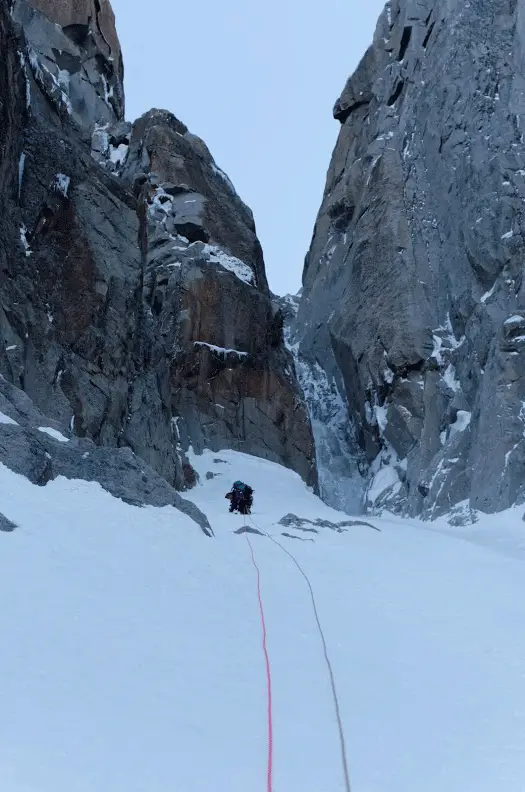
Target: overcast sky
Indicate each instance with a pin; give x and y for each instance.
(257, 81)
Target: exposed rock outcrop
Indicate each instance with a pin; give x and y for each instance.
(134, 307)
(413, 296)
(206, 299)
(34, 448)
(73, 54)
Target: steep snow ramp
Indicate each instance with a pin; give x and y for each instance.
(132, 658)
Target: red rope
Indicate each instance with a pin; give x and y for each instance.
(326, 656)
(268, 670)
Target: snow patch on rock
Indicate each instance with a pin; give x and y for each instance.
(23, 63)
(241, 270)
(460, 424)
(58, 85)
(56, 435)
(450, 378)
(221, 350)
(226, 179)
(23, 238)
(6, 420)
(62, 183)
(21, 166)
(118, 154)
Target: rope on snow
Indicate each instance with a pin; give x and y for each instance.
(268, 670)
(326, 656)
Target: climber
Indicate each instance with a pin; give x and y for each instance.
(240, 497)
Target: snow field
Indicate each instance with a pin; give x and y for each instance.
(132, 658)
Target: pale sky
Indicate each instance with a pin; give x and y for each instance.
(257, 81)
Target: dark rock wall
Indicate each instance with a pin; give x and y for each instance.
(416, 263)
(128, 264)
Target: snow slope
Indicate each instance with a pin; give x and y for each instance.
(131, 650)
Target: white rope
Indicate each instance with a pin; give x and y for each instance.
(326, 656)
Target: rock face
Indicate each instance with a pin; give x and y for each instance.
(134, 308)
(32, 447)
(413, 296)
(207, 304)
(72, 49)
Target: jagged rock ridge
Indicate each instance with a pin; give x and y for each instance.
(413, 298)
(134, 308)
